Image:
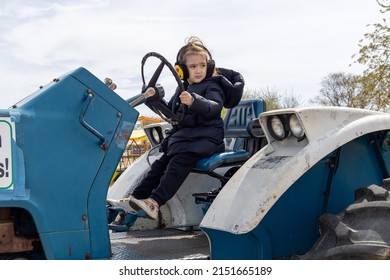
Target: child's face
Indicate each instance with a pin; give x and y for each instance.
(197, 68)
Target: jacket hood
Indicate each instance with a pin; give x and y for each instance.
(232, 83)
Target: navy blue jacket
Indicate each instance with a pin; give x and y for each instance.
(201, 130)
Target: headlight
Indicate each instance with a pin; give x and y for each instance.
(277, 128)
(156, 136)
(296, 128)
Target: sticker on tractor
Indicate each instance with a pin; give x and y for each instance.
(6, 137)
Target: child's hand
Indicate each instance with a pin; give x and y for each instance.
(186, 98)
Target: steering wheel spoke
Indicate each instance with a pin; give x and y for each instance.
(156, 75)
(160, 106)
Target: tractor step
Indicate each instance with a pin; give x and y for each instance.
(159, 245)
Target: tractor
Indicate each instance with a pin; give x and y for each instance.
(303, 183)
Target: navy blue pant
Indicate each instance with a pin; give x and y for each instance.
(165, 177)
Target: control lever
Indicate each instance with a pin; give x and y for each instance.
(148, 93)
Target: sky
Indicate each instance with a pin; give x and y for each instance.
(288, 46)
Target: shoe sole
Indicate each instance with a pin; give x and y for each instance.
(136, 207)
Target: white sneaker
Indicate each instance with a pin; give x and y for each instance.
(149, 206)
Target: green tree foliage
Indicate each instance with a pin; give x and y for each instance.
(273, 99)
(341, 89)
(371, 89)
(374, 54)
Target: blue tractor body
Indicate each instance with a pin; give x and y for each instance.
(69, 137)
(324, 188)
(278, 193)
(272, 207)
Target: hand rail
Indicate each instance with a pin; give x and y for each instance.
(89, 96)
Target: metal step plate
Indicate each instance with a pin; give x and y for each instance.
(159, 245)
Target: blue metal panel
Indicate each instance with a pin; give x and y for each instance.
(67, 245)
(67, 172)
(358, 167)
(250, 246)
(237, 118)
(292, 223)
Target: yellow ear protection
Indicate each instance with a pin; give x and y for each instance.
(182, 69)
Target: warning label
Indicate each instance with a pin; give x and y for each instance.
(6, 136)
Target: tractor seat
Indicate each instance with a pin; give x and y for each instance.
(240, 122)
(221, 159)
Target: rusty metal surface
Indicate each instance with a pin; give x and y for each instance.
(10, 243)
(159, 245)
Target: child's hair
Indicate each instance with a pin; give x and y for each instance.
(193, 46)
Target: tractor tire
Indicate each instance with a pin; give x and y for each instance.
(360, 232)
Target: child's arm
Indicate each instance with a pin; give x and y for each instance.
(210, 106)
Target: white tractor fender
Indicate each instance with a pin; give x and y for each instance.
(262, 180)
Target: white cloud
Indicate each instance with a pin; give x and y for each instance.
(288, 45)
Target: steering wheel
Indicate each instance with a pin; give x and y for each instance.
(159, 105)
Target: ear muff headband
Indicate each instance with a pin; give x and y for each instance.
(182, 69)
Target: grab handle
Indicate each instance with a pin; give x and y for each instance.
(89, 96)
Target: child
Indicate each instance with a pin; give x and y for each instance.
(200, 134)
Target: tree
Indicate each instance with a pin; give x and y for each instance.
(374, 53)
(291, 100)
(272, 98)
(341, 89)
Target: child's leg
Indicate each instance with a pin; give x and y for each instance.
(152, 179)
(177, 171)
